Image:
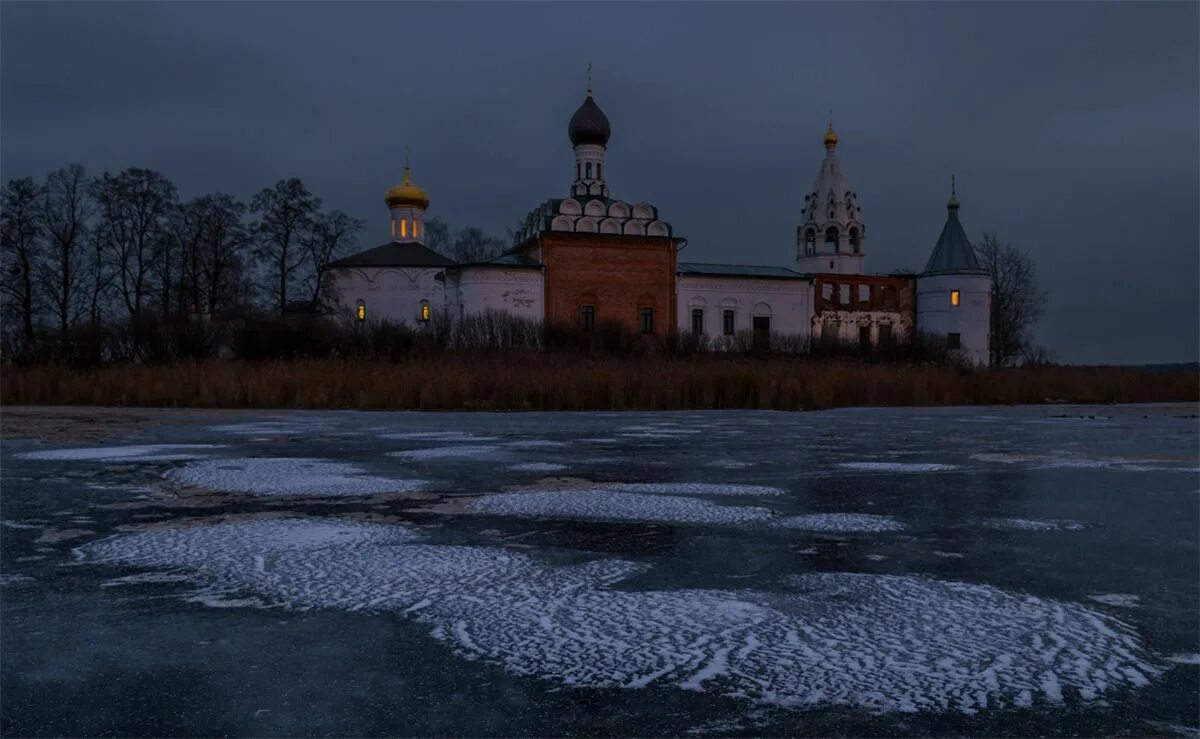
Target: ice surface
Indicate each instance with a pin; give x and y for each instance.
(134, 453)
(1185, 659)
(840, 522)
(897, 466)
(877, 642)
(283, 476)
(600, 504)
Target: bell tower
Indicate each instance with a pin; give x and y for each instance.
(831, 235)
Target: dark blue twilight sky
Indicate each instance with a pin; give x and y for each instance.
(1072, 127)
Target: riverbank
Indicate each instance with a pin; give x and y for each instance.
(538, 381)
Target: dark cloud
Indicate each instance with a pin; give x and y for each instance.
(1073, 128)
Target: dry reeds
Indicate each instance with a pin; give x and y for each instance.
(533, 380)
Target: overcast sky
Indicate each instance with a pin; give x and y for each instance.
(1072, 128)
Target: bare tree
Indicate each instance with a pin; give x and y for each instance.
(65, 213)
(224, 243)
(1017, 299)
(285, 213)
(101, 274)
(472, 245)
(135, 212)
(20, 235)
(437, 237)
(330, 235)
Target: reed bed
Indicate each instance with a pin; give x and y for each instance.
(534, 380)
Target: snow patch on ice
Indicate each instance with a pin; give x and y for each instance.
(897, 466)
(599, 504)
(689, 488)
(1120, 600)
(1185, 659)
(286, 476)
(536, 444)
(146, 578)
(947, 555)
(1029, 524)
(840, 522)
(537, 467)
(133, 453)
(865, 641)
(439, 436)
(468, 451)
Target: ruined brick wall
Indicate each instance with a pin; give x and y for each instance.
(619, 275)
(845, 304)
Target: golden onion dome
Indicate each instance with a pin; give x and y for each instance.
(407, 193)
(830, 136)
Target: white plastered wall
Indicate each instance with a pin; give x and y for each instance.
(388, 293)
(970, 319)
(789, 303)
(518, 292)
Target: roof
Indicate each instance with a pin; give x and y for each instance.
(589, 125)
(740, 270)
(508, 259)
(953, 252)
(395, 254)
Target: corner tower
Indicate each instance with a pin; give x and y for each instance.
(831, 235)
(954, 293)
(407, 204)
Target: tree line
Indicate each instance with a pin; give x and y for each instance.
(87, 253)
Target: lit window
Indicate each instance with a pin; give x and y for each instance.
(697, 321)
(415, 223)
(361, 312)
(954, 298)
(647, 320)
(587, 317)
(403, 228)
(727, 323)
(424, 310)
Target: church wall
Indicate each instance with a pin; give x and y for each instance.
(970, 319)
(788, 303)
(388, 293)
(517, 292)
(619, 275)
(845, 304)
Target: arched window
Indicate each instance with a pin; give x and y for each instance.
(599, 170)
(578, 171)
(810, 241)
(589, 170)
(854, 243)
(361, 311)
(425, 312)
(831, 238)
(403, 228)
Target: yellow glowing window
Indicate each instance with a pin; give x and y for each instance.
(415, 223)
(403, 228)
(954, 297)
(393, 229)
(362, 312)
(424, 311)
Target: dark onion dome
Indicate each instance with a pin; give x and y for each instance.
(589, 125)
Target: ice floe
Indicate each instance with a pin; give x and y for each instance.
(897, 466)
(600, 504)
(840, 522)
(866, 641)
(284, 476)
(133, 453)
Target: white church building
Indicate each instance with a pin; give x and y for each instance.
(590, 257)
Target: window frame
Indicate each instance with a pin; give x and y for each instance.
(954, 340)
(646, 322)
(587, 317)
(360, 311)
(698, 318)
(728, 322)
(955, 298)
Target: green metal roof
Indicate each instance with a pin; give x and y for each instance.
(953, 252)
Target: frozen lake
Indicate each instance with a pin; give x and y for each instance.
(984, 571)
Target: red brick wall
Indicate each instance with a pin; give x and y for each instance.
(618, 274)
(883, 293)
